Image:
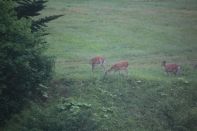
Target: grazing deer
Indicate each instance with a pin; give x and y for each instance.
(98, 60)
(122, 65)
(171, 68)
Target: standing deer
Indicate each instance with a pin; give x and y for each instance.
(171, 68)
(119, 66)
(98, 60)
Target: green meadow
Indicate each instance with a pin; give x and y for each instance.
(143, 32)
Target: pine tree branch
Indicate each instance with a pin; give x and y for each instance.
(31, 8)
(41, 23)
(28, 8)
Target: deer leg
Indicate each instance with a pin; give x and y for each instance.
(126, 71)
(105, 74)
(178, 71)
(167, 73)
(103, 67)
(93, 68)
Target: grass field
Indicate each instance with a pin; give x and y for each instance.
(144, 32)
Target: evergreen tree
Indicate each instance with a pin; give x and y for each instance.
(31, 8)
(24, 68)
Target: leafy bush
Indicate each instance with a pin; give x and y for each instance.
(66, 115)
(170, 108)
(140, 104)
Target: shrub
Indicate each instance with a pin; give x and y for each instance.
(64, 115)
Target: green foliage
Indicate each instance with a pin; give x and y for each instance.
(40, 23)
(63, 115)
(27, 8)
(170, 108)
(23, 65)
(115, 104)
(140, 104)
(31, 8)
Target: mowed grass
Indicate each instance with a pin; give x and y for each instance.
(145, 33)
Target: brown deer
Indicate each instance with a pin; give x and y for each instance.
(98, 60)
(171, 68)
(119, 66)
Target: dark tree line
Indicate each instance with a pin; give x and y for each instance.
(23, 66)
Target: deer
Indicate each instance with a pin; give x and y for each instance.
(98, 60)
(119, 66)
(171, 68)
